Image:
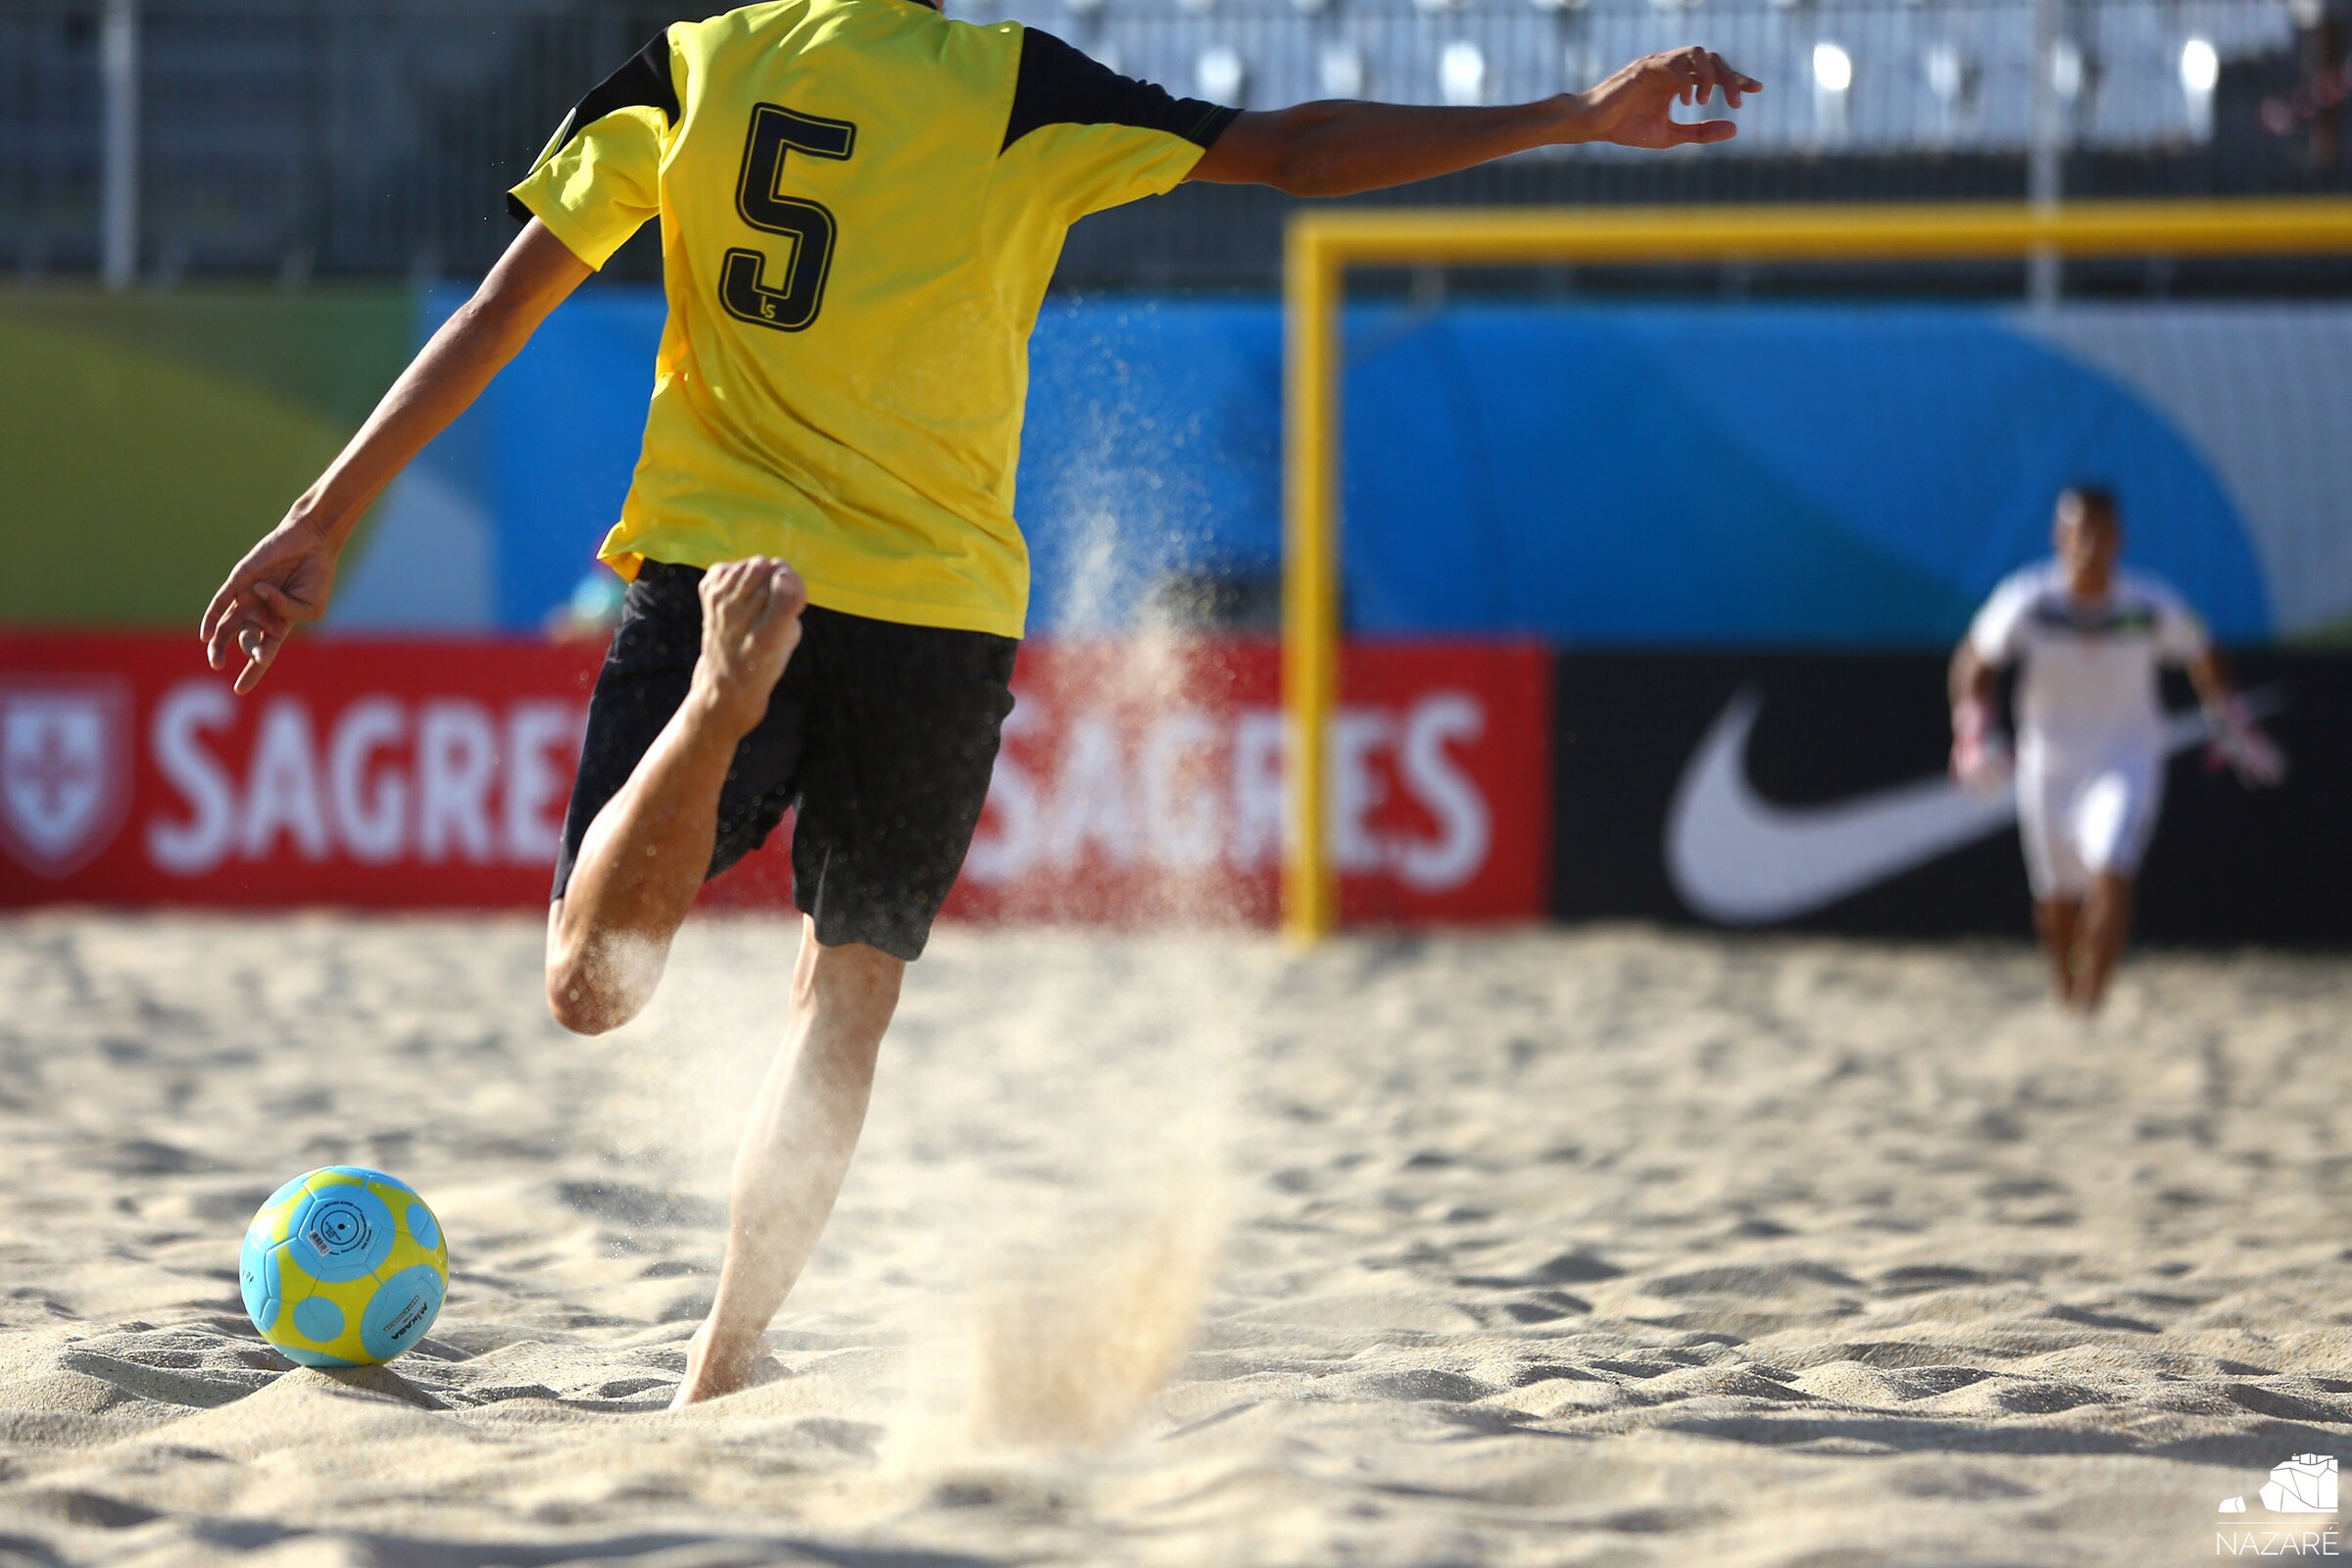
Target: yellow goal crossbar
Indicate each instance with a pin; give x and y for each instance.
(1320, 248)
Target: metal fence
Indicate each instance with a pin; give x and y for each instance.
(289, 138)
(1870, 77)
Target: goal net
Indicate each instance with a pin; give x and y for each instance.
(1862, 469)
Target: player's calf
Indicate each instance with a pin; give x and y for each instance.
(796, 1149)
(649, 848)
(2059, 921)
(2106, 928)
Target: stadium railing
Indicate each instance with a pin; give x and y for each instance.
(290, 139)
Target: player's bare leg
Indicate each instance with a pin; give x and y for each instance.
(2060, 922)
(645, 856)
(796, 1149)
(2106, 927)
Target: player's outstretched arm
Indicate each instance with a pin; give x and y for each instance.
(1341, 147)
(1972, 677)
(2236, 741)
(1980, 756)
(287, 577)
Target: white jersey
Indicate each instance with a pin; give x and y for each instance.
(2088, 687)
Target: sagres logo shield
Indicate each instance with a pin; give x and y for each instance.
(65, 770)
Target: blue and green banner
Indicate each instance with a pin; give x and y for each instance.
(1672, 476)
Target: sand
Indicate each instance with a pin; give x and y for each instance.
(1603, 1246)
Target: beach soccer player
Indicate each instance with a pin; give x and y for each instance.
(861, 203)
(2090, 752)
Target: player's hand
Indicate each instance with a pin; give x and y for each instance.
(2239, 743)
(1635, 108)
(285, 579)
(1981, 761)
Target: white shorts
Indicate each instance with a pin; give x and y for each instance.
(2081, 818)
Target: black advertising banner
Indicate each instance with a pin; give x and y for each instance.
(1808, 792)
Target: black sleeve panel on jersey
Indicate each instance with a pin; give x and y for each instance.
(644, 80)
(1059, 86)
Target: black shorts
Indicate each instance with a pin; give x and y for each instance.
(882, 735)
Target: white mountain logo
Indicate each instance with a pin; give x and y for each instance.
(2304, 1483)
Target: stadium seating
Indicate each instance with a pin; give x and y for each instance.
(1877, 76)
(362, 139)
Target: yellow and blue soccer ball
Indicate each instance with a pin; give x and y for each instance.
(344, 1267)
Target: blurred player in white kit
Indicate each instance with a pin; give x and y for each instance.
(2090, 754)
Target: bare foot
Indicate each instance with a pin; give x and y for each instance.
(712, 1373)
(750, 625)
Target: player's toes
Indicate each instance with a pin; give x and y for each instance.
(734, 594)
(727, 580)
(778, 630)
(787, 595)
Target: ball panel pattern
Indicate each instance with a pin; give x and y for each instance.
(249, 1272)
(258, 1282)
(344, 1267)
(403, 1308)
(379, 1180)
(341, 1232)
(284, 1195)
(274, 1221)
(320, 1319)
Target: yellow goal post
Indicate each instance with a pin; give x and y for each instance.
(1320, 248)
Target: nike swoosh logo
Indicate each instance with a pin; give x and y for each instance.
(1740, 859)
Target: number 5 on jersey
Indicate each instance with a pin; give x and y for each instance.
(808, 225)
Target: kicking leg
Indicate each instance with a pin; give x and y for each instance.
(2106, 927)
(650, 846)
(2059, 919)
(796, 1149)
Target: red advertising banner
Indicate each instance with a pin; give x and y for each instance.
(1142, 781)
(1138, 781)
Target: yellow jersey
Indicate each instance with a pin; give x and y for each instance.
(861, 203)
